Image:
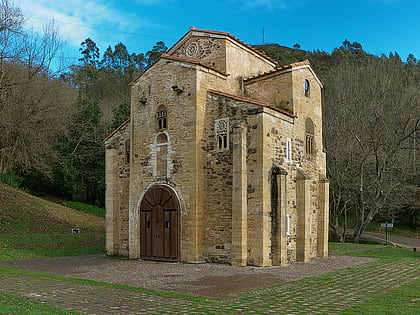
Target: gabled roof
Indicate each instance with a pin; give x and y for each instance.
(193, 61)
(252, 101)
(286, 68)
(118, 129)
(226, 34)
(175, 58)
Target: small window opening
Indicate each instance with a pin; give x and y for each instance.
(127, 151)
(161, 116)
(307, 88)
(289, 218)
(309, 137)
(288, 150)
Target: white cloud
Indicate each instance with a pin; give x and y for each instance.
(76, 19)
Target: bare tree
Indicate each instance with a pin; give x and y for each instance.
(34, 106)
(372, 118)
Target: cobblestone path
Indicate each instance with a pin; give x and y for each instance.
(328, 294)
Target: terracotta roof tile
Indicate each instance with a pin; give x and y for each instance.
(252, 101)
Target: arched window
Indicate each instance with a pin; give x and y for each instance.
(307, 88)
(161, 118)
(162, 155)
(309, 137)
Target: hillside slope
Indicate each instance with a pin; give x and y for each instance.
(23, 213)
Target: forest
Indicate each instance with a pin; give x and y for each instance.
(53, 123)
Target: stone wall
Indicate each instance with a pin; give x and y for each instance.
(117, 176)
(260, 198)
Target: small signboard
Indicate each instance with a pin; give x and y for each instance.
(387, 225)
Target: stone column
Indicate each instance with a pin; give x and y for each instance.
(323, 217)
(279, 252)
(239, 198)
(303, 212)
(111, 242)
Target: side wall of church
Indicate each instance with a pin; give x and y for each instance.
(305, 209)
(117, 175)
(276, 90)
(312, 164)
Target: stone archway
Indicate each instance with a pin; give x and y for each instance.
(159, 226)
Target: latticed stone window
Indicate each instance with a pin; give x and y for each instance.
(161, 118)
(221, 128)
(309, 137)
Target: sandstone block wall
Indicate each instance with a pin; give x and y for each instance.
(260, 200)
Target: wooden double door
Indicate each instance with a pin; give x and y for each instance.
(159, 232)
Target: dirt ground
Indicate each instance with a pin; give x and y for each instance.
(210, 280)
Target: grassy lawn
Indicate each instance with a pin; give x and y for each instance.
(10, 304)
(392, 298)
(21, 246)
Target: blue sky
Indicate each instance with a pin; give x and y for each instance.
(381, 26)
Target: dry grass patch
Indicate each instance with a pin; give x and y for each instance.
(21, 212)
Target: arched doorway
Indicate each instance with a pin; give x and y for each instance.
(159, 224)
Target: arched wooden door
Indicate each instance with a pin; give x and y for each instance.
(159, 224)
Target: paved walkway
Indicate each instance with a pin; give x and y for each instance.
(326, 295)
(396, 241)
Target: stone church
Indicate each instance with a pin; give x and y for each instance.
(221, 160)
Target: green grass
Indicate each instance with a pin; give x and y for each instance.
(100, 212)
(403, 300)
(10, 304)
(21, 246)
(369, 250)
(24, 213)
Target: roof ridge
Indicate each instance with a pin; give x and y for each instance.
(289, 66)
(197, 62)
(117, 129)
(253, 101)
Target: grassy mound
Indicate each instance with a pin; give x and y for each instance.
(23, 213)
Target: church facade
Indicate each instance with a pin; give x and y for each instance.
(221, 159)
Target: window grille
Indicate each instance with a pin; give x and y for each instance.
(161, 117)
(222, 133)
